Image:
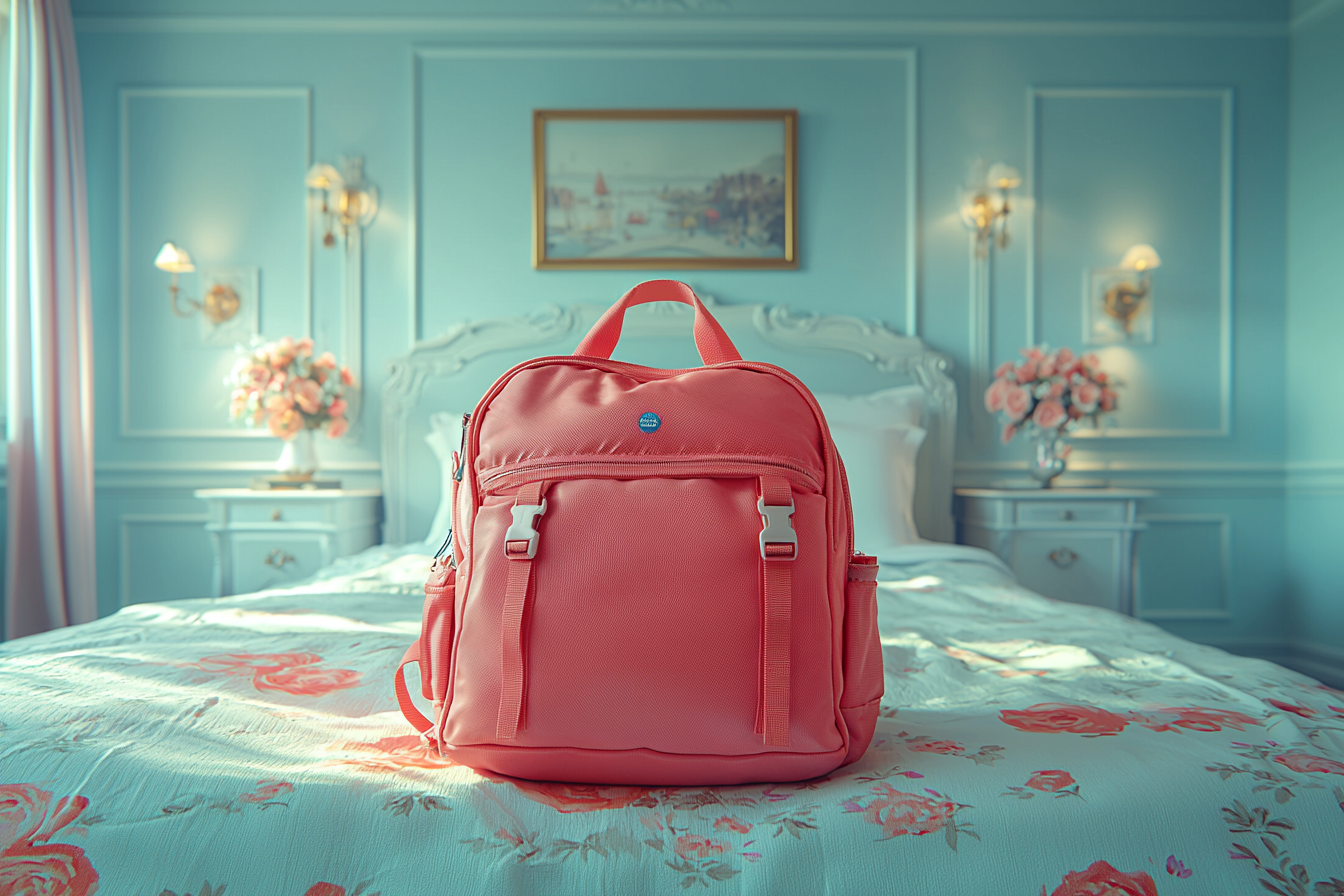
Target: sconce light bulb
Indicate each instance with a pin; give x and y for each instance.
(1003, 177)
(323, 177)
(1141, 257)
(174, 259)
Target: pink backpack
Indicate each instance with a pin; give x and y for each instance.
(653, 579)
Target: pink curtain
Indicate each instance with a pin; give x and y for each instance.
(50, 574)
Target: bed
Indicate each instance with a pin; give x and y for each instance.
(1025, 746)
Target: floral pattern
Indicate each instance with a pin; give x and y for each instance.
(581, 797)
(391, 754)
(899, 813)
(1194, 718)
(1051, 781)
(1052, 718)
(29, 862)
(1305, 762)
(1054, 781)
(1092, 721)
(1102, 879)
(290, 673)
(265, 721)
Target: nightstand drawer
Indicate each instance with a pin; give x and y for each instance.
(269, 560)
(1076, 566)
(1065, 512)
(280, 511)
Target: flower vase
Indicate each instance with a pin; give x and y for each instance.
(298, 459)
(1050, 454)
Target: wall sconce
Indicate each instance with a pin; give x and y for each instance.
(985, 208)
(1119, 301)
(345, 196)
(220, 303)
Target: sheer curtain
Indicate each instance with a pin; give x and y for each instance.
(50, 573)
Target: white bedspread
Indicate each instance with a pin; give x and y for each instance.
(1026, 746)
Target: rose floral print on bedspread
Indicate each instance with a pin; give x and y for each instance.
(30, 863)
(1101, 879)
(1092, 721)
(292, 673)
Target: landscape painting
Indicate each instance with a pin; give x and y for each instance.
(618, 188)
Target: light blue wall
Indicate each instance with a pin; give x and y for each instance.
(1152, 121)
(1315, 505)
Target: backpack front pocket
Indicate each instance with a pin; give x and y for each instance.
(642, 626)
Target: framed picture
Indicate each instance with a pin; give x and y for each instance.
(1117, 307)
(684, 188)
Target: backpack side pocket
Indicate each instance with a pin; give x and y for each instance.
(862, 695)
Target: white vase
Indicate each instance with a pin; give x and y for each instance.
(298, 459)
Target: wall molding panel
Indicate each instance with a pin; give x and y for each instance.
(1323, 478)
(980, 338)
(1223, 522)
(158, 478)
(125, 96)
(1224, 96)
(126, 525)
(909, 308)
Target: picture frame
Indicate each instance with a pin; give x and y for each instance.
(665, 188)
(1117, 307)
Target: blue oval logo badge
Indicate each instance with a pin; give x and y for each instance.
(649, 421)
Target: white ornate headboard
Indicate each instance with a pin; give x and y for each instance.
(830, 353)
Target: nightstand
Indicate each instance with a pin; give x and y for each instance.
(266, 539)
(1074, 544)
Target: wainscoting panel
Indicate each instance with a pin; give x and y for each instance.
(164, 556)
(1184, 566)
(218, 171)
(1114, 167)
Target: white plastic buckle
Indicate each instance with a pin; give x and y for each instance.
(523, 529)
(777, 528)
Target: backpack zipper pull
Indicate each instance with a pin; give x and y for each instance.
(443, 548)
(462, 450)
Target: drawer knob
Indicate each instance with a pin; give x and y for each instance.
(1063, 557)
(1063, 514)
(279, 558)
(275, 515)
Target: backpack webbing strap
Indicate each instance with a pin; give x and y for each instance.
(777, 606)
(520, 551)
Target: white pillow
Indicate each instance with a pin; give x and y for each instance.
(878, 437)
(901, 406)
(445, 436)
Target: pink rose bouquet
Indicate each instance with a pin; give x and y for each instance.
(1049, 391)
(281, 385)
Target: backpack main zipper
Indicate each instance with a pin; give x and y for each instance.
(607, 467)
